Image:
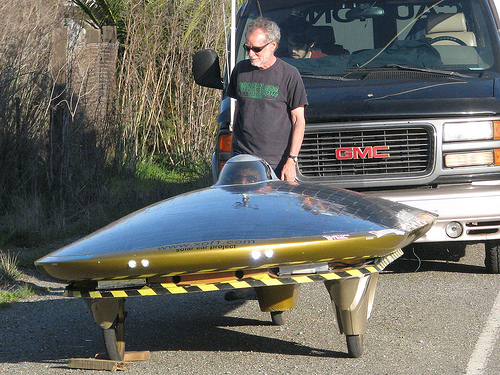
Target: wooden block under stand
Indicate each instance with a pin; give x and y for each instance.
(100, 362)
(97, 364)
(129, 356)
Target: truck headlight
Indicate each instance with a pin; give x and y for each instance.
(468, 159)
(471, 131)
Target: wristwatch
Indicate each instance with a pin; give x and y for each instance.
(294, 158)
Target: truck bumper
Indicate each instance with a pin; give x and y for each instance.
(475, 206)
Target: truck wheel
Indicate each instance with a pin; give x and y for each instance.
(355, 345)
(492, 258)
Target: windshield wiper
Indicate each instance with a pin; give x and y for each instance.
(326, 77)
(428, 70)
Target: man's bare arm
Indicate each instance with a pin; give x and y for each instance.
(289, 172)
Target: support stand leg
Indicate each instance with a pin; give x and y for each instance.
(109, 314)
(276, 299)
(353, 300)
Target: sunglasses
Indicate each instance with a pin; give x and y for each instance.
(247, 48)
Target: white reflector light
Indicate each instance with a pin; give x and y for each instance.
(469, 159)
(454, 229)
(467, 131)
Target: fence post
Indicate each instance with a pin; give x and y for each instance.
(83, 74)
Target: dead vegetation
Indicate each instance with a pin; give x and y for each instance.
(79, 173)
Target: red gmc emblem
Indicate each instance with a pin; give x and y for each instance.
(370, 152)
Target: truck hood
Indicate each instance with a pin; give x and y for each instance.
(371, 99)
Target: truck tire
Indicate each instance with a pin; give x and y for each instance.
(492, 258)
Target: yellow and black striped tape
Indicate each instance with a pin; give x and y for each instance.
(260, 280)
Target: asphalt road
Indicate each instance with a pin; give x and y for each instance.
(429, 317)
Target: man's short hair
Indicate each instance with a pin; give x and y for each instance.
(270, 28)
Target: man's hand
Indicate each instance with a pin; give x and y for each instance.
(289, 172)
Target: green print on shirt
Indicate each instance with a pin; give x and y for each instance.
(258, 90)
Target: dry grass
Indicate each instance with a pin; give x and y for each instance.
(9, 270)
(25, 86)
(158, 116)
(163, 110)
(11, 289)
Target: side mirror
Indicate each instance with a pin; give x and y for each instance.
(206, 69)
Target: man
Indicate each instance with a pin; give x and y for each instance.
(271, 98)
(300, 46)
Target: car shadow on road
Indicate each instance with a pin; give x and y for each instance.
(443, 257)
(205, 322)
(203, 336)
(49, 331)
(415, 265)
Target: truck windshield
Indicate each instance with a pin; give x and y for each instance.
(340, 38)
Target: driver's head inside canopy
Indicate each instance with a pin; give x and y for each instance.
(245, 169)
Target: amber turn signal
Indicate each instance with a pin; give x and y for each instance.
(497, 156)
(496, 129)
(225, 142)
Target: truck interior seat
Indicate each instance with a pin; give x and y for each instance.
(325, 41)
(452, 25)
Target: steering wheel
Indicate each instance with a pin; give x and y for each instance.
(450, 38)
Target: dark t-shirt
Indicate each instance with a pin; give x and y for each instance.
(263, 125)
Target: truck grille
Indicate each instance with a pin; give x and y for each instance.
(380, 152)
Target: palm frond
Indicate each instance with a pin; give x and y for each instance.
(102, 13)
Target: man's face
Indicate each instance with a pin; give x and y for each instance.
(296, 50)
(265, 58)
(246, 176)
